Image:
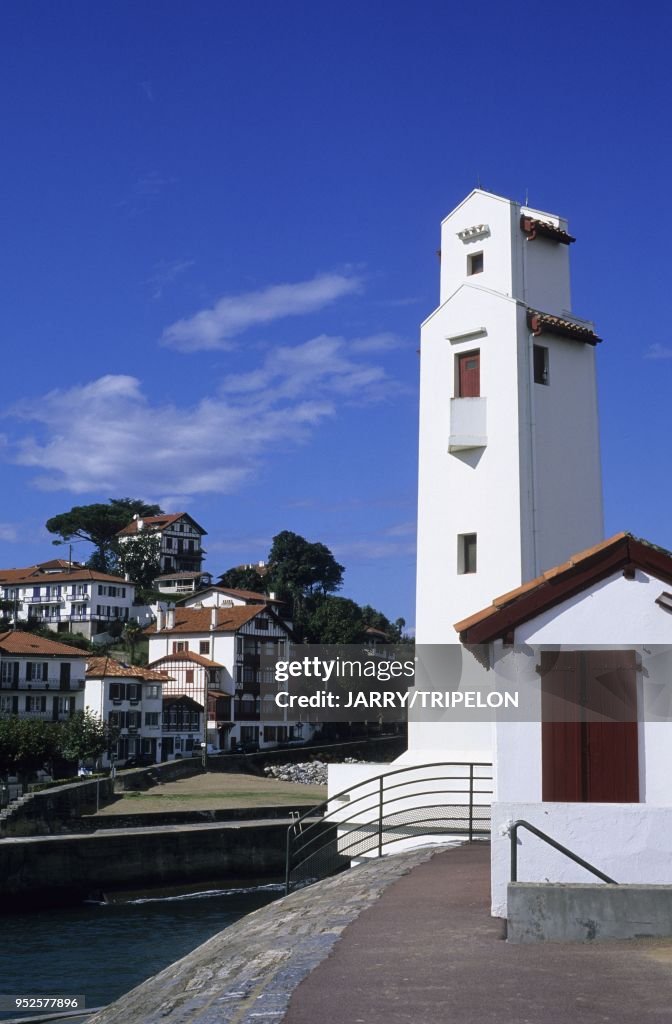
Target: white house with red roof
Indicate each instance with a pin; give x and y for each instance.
(39, 677)
(217, 651)
(587, 758)
(68, 597)
(181, 541)
(130, 699)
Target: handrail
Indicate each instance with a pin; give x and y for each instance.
(370, 811)
(513, 834)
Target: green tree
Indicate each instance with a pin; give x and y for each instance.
(302, 573)
(394, 630)
(139, 558)
(26, 743)
(99, 524)
(131, 634)
(335, 620)
(241, 578)
(85, 735)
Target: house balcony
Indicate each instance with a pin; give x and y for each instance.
(468, 424)
(44, 599)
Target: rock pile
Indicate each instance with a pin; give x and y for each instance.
(306, 773)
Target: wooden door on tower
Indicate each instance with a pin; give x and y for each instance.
(469, 375)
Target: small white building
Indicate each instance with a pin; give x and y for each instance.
(589, 646)
(39, 677)
(67, 597)
(130, 699)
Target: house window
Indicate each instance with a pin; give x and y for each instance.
(468, 374)
(189, 675)
(466, 553)
(589, 738)
(262, 623)
(204, 647)
(540, 358)
(180, 645)
(152, 719)
(6, 705)
(153, 691)
(475, 263)
(36, 704)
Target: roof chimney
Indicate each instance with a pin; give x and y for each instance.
(159, 619)
(170, 617)
(213, 617)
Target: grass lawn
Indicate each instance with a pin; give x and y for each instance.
(216, 791)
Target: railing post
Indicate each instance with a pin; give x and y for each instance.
(380, 817)
(513, 833)
(287, 856)
(471, 802)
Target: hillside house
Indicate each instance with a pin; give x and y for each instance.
(39, 677)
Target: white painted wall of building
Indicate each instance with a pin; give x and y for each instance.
(628, 842)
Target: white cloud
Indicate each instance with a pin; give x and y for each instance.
(215, 327)
(385, 341)
(658, 351)
(321, 363)
(8, 532)
(106, 436)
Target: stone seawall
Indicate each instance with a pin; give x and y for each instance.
(92, 823)
(61, 870)
(247, 973)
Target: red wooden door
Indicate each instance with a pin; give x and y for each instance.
(469, 375)
(589, 727)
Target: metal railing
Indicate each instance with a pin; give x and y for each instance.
(438, 799)
(513, 835)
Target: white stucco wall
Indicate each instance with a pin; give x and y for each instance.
(629, 842)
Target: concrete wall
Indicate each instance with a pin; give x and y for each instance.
(588, 913)
(63, 870)
(632, 843)
(57, 810)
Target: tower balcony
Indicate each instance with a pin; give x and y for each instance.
(468, 424)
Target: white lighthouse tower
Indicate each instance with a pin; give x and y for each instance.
(509, 478)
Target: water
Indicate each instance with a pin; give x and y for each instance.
(101, 951)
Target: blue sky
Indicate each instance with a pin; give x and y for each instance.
(219, 234)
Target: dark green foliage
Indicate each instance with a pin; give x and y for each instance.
(243, 579)
(99, 524)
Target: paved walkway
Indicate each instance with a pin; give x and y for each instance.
(403, 940)
(428, 951)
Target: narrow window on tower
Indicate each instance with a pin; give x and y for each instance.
(475, 263)
(540, 359)
(466, 553)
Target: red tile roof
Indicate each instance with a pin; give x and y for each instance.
(535, 228)
(197, 620)
(540, 323)
(30, 577)
(198, 659)
(158, 523)
(618, 553)
(101, 667)
(18, 641)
